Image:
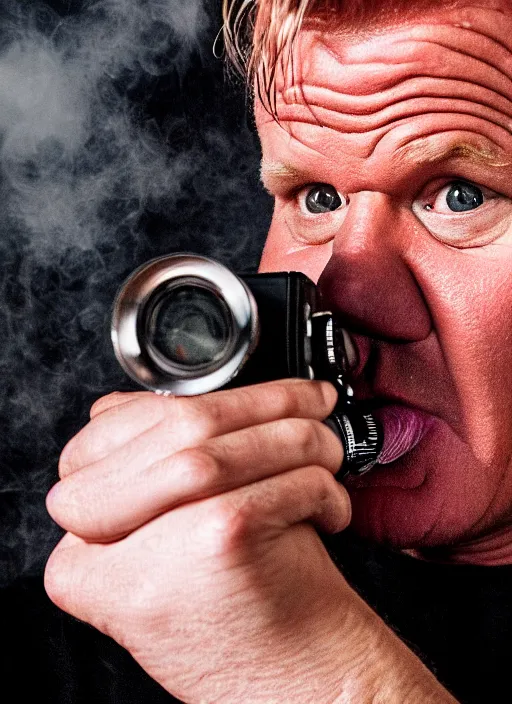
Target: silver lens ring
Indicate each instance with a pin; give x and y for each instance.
(137, 301)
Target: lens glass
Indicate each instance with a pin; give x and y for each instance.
(189, 326)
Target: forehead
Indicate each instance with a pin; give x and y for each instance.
(471, 28)
(392, 89)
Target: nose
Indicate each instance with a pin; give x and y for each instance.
(369, 281)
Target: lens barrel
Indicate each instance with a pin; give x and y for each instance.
(184, 324)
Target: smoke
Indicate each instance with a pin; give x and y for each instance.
(118, 142)
(70, 139)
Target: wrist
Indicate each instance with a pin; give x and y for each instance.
(376, 667)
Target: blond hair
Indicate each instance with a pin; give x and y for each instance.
(258, 35)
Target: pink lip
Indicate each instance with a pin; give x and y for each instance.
(403, 427)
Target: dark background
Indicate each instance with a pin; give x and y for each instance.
(121, 139)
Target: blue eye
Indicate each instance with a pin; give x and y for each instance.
(464, 196)
(322, 198)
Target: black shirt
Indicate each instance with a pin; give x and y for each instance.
(456, 618)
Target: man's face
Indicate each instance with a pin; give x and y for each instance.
(392, 176)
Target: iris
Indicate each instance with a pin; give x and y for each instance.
(464, 196)
(323, 198)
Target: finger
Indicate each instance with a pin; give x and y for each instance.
(269, 507)
(75, 578)
(87, 579)
(114, 426)
(102, 503)
(115, 399)
(187, 421)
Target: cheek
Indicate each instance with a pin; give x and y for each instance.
(283, 253)
(470, 298)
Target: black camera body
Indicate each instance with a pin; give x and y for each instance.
(186, 325)
(286, 303)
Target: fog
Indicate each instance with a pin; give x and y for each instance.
(119, 141)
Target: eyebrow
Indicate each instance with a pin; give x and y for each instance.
(274, 173)
(425, 153)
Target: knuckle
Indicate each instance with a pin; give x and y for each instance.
(322, 478)
(295, 396)
(319, 485)
(200, 469)
(332, 447)
(149, 405)
(144, 405)
(52, 502)
(303, 433)
(79, 506)
(104, 402)
(62, 505)
(116, 399)
(189, 417)
(285, 398)
(329, 489)
(228, 525)
(318, 435)
(141, 598)
(238, 400)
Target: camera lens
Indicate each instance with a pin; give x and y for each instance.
(189, 326)
(184, 324)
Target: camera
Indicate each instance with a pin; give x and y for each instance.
(185, 324)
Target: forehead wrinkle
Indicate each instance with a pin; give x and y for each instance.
(333, 110)
(419, 87)
(384, 62)
(389, 88)
(401, 111)
(495, 29)
(493, 62)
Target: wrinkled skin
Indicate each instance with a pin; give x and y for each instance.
(390, 120)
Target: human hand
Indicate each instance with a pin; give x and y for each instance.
(191, 538)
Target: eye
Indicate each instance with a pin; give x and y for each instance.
(321, 198)
(462, 214)
(457, 197)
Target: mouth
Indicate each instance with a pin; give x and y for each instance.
(407, 441)
(404, 426)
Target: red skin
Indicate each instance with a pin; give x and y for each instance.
(428, 292)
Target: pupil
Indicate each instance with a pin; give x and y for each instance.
(464, 196)
(323, 199)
